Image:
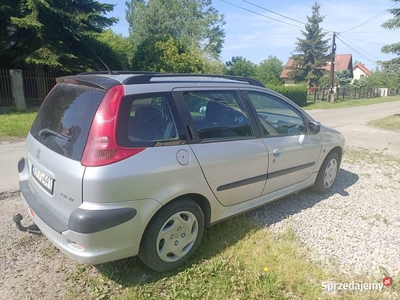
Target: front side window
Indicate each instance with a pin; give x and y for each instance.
(277, 117)
(218, 115)
(146, 120)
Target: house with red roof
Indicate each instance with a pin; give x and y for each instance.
(360, 71)
(342, 62)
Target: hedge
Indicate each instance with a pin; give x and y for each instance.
(298, 94)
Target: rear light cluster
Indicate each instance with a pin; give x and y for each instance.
(101, 146)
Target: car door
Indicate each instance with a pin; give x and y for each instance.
(293, 151)
(226, 143)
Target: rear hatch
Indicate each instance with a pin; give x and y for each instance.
(56, 143)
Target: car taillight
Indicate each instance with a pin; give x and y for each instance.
(101, 146)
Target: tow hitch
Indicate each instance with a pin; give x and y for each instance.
(17, 218)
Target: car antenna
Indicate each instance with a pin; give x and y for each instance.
(98, 57)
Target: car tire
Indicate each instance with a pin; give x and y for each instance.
(327, 174)
(172, 236)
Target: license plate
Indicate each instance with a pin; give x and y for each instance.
(44, 180)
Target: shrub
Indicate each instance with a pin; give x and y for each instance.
(296, 93)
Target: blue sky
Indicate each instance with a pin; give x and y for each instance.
(256, 37)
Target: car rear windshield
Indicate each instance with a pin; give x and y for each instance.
(64, 119)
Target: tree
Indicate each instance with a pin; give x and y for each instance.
(194, 22)
(383, 79)
(7, 10)
(54, 33)
(239, 66)
(343, 78)
(166, 54)
(359, 83)
(120, 45)
(311, 51)
(394, 23)
(269, 70)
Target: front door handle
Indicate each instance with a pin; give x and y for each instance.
(276, 152)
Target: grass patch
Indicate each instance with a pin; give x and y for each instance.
(236, 260)
(16, 124)
(353, 156)
(349, 103)
(391, 122)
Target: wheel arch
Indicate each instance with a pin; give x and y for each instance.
(201, 200)
(198, 198)
(339, 151)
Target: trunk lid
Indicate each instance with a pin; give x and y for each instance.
(55, 146)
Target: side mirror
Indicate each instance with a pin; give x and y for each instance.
(315, 127)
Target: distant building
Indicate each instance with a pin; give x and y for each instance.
(360, 71)
(342, 62)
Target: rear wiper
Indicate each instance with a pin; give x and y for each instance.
(45, 132)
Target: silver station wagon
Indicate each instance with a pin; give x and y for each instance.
(131, 163)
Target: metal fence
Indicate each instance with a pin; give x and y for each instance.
(317, 94)
(6, 98)
(38, 83)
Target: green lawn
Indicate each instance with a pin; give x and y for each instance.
(349, 103)
(391, 122)
(15, 124)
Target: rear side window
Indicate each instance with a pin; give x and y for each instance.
(218, 115)
(68, 110)
(146, 120)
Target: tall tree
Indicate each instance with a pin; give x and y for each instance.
(120, 45)
(53, 33)
(392, 65)
(193, 22)
(7, 10)
(166, 54)
(239, 66)
(269, 70)
(311, 51)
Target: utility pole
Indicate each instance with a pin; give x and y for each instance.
(331, 96)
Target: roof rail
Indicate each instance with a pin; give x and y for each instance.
(145, 77)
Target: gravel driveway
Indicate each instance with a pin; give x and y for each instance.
(355, 228)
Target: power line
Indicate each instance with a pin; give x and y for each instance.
(373, 18)
(359, 48)
(261, 14)
(368, 32)
(374, 62)
(283, 16)
(273, 12)
(347, 38)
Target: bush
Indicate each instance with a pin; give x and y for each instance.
(297, 93)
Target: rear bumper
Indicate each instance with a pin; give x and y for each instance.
(95, 233)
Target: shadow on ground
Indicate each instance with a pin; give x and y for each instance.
(132, 272)
(277, 211)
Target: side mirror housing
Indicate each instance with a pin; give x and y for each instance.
(314, 127)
